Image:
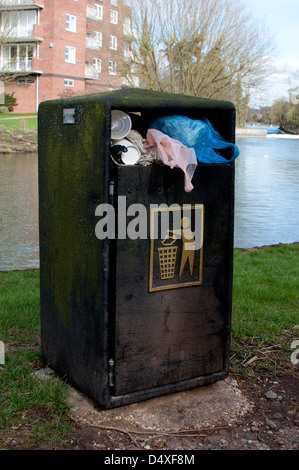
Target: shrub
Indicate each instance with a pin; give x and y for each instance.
(4, 109)
(10, 101)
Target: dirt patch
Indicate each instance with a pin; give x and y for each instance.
(234, 414)
(243, 412)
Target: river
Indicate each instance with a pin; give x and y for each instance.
(266, 199)
(267, 191)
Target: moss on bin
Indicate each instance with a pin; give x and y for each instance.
(70, 180)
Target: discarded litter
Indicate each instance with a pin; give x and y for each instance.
(198, 134)
(121, 124)
(175, 141)
(129, 152)
(173, 153)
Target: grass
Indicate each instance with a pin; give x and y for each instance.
(265, 305)
(16, 115)
(19, 121)
(34, 412)
(265, 294)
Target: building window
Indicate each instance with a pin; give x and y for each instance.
(18, 23)
(113, 16)
(98, 11)
(113, 43)
(126, 50)
(97, 63)
(112, 67)
(127, 26)
(71, 23)
(68, 82)
(17, 57)
(113, 3)
(98, 38)
(70, 54)
(25, 81)
(95, 12)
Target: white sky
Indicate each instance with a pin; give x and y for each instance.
(282, 19)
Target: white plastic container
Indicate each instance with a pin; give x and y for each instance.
(121, 124)
(132, 155)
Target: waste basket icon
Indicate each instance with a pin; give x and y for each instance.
(125, 318)
(167, 260)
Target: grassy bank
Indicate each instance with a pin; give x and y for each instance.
(18, 133)
(265, 311)
(265, 305)
(19, 121)
(31, 412)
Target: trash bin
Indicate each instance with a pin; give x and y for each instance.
(128, 318)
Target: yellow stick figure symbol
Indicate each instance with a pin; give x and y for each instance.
(188, 241)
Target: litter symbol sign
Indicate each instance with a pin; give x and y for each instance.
(176, 247)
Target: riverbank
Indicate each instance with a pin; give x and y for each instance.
(17, 140)
(38, 415)
(251, 132)
(262, 132)
(22, 140)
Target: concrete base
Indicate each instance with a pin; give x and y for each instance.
(209, 406)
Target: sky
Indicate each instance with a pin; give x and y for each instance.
(282, 20)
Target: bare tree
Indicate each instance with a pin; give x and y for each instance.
(294, 84)
(208, 48)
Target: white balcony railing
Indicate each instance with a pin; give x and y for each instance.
(95, 13)
(16, 3)
(17, 65)
(90, 72)
(92, 43)
(133, 81)
(18, 34)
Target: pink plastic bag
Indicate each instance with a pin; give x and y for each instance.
(174, 154)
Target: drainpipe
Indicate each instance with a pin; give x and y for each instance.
(37, 91)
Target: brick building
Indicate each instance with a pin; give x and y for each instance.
(58, 48)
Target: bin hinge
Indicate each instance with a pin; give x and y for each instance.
(111, 373)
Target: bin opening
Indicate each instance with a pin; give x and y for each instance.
(175, 140)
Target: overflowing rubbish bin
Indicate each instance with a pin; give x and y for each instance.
(136, 242)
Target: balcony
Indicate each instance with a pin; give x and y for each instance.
(22, 66)
(90, 72)
(33, 34)
(92, 43)
(6, 5)
(94, 13)
(134, 81)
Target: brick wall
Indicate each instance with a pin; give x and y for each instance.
(59, 78)
(25, 92)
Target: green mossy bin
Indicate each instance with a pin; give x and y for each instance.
(112, 322)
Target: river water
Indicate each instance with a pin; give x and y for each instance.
(266, 199)
(267, 191)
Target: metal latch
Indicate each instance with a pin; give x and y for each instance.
(111, 373)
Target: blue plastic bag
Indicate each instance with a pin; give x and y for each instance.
(199, 135)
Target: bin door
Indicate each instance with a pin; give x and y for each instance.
(171, 329)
